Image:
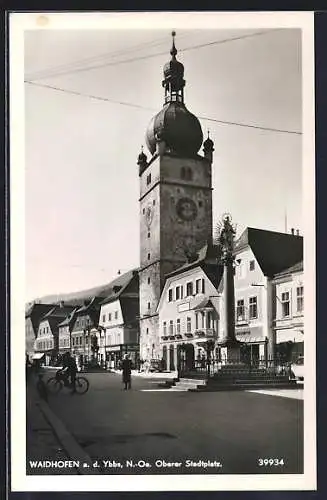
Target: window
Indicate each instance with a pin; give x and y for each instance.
(148, 235)
(116, 314)
(147, 331)
(171, 327)
(196, 321)
(109, 317)
(198, 286)
(149, 281)
(178, 326)
(170, 295)
(154, 202)
(188, 324)
(299, 298)
(200, 203)
(73, 340)
(183, 173)
(252, 265)
(253, 308)
(149, 305)
(143, 211)
(240, 310)
(177, 293)
(81, 340)
(189, 174)
(148, 180)
(103, 318)
(189, 289)
(240, 270)
(148, 256)
(285, 304)
(164, 328)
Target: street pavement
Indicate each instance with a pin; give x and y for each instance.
(233, 430)
(41, 441)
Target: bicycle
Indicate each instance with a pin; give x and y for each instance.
(59, 381)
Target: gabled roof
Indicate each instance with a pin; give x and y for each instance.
(59, 312)
(208, 258)
(38, 310)
(126, 284)
(274, 251)
(69, 319)
(205, 303)
(298, 267)
(89, 305)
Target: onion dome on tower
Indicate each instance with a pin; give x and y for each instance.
(174, 125)
(208, 148)
(142, 161)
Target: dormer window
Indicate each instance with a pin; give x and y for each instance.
(252, 265)
(189, 289)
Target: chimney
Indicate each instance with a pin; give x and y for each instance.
(297, 232)
(292, 230)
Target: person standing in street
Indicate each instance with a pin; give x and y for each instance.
(126, 367)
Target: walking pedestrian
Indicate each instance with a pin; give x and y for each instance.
(126, 367)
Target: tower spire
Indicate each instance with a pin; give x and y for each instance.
(173, 77)
(173, 50)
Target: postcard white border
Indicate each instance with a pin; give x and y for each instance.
(18, 23)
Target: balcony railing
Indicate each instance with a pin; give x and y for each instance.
(205, 332)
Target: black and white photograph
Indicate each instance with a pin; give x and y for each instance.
(162, 251)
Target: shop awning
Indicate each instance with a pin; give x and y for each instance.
(253, 335)
(251, 339)
(38, 355)
(289, 336)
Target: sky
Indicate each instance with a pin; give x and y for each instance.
(81, 176)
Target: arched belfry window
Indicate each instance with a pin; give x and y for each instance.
(186, 173)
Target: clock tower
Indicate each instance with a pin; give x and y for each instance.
(175, 199)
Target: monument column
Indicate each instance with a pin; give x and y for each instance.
(228, 343)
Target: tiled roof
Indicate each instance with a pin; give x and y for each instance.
(38, 310)
(208, 260)
(274, 251)
(298, 267)
(59, 311)
(68, 319)
(126, 283)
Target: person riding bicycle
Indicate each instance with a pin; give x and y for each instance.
(70, 369)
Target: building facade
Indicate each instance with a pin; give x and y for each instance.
(64, 332)
(289, 312)
(84, 338)
(189, 310)
(33, 317)
(118, 322)
(47, 340)
(175, 200)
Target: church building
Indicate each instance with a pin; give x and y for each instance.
(175, 199)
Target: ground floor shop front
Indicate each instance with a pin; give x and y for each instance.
(112, 356)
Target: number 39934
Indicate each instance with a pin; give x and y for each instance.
(270, 462)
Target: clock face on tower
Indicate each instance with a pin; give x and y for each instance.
(186, 209)
(148, 215)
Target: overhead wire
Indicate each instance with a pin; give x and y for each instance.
(130, 104)
(67, 68)
(149, 56)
